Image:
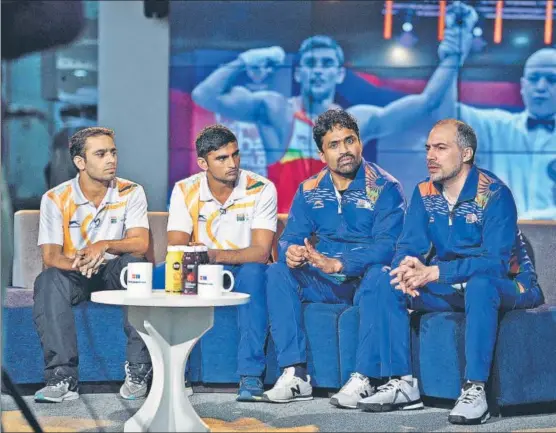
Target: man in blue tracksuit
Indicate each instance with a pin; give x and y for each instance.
(355, 210)
(460, 250)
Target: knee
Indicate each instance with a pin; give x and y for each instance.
(375, 286)
(374, 278)
(480, 289)
(46, 279)
(276, 273)
(131, 258)
(48, 282)
(253, 270)
(277, 277)
(252, 279)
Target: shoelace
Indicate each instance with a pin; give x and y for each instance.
(57, 382)
(355, 383)
(250, 382)
(134, 376)
(283, 378)
(391, 385)
(471, 394)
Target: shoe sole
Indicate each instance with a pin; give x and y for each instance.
(250, 399)
(381, 407)
(335, 402)
(66, 397)
(291, 400)
(458, 419)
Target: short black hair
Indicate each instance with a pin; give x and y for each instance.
(465, 135)
(330, 119)
(212, 138)
(77, 140)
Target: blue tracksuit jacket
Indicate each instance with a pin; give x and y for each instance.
(360, 228)
(479, 236)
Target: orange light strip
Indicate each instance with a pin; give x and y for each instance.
(498, 22)
(548, 22)
(441, 18)
(389, 4)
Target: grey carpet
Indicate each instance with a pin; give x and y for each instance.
(319, 412)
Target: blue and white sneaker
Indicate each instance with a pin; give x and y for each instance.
(250, 389)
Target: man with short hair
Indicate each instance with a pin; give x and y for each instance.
(233, 213)
(355, 209)
(460, 250)
(91, 227)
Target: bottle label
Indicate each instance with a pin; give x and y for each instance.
(190, 280)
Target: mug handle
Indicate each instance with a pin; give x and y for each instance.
(229, 289)
(122, 280)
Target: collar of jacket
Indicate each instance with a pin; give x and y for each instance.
(358, 182)
(469, 191)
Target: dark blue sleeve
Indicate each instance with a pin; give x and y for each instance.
(387, 226)
(298, 227)
(499, 229)
(414, 240)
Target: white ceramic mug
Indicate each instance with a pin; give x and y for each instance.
(139, 278)
(210, 281)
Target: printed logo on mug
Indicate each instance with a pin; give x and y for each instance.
(210, 281)
(139, 278)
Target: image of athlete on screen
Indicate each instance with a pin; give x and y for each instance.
(285, 123)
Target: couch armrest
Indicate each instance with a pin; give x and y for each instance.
(27, 261)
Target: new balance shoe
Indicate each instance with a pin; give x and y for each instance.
(397, 394)
(250, 389)
(58, 388)
(356, 389)
(137, 378)
(289, 388)
(471, 407)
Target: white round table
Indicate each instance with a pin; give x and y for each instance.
(170, 324)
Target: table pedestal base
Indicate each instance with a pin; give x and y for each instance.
(170, 334)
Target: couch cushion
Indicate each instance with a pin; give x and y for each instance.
(100, 337)
(219, 348)
(437, 346)
(524, 369)
(323, 357)
(348, 332)
(27, 261)
(542, 236)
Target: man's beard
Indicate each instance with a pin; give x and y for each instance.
(351, 169)
(440, 177)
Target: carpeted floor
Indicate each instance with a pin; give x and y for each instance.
(108, 412)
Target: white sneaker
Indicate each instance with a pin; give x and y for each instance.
(289, 388)
(395, 395)
(471, 407)
(356, 388)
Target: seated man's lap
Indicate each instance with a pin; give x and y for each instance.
(436, 297)
(317, 287)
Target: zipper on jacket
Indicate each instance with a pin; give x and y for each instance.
(339, 199)
(451, 216)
